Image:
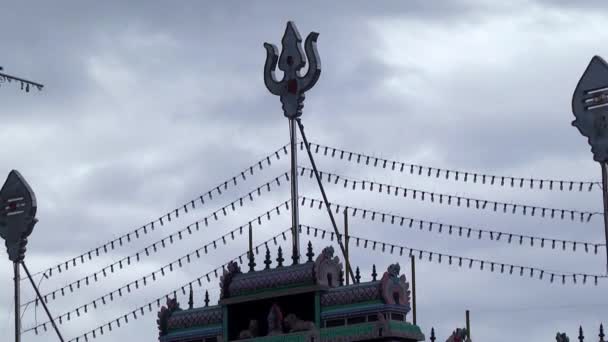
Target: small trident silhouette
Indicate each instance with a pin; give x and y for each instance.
(292, 87)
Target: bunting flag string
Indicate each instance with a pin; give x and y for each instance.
(460, 231)
(25, 84)
(465, 176)
(448, 199)
(161, 272)
(385, 247)
(127, 238)
(151, 249)
(116, 323)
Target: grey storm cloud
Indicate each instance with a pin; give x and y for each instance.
(147, 106)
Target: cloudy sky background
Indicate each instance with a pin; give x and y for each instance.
(147, 106)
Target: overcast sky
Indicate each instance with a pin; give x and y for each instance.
(147, 106)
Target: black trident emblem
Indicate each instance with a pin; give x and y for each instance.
(292, 87)
(17, 214)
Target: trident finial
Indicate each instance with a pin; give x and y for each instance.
(292, 87)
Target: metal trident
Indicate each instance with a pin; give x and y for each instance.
(292, 87)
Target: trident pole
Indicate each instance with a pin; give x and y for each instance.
(295, 211)
(413, 261)
(291, 92)
(605, 198)
(17, 303)
(468, 322)
(589, 103)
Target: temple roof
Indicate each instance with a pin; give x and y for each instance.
(323, 273)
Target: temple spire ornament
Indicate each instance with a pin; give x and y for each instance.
(292, 87)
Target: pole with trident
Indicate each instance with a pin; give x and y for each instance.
(590, 108)
(17, 220)
(291, 91)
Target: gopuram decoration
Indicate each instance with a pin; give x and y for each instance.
(306, 301)
(562, 337)
(459, 335)
(301, 302)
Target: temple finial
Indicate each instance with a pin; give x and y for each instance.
(267, 261)
(310, 254)
(251, 261)
(280, 257)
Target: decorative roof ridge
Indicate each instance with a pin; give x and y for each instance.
(197, 310)
(353, 286)
(276, 269)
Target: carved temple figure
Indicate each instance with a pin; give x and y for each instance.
(164, 314)
(459, 335)
(327, 268)
(275, 320)
(292, 87)
(232, 269)
(395, 290)
(294, 324)
(251, 332)
(562, 337)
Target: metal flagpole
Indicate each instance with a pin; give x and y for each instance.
(605, 198)
(295, 224)
(346, 238)
(468, 322)
(41, 300)
(413, 260)
(17, 303)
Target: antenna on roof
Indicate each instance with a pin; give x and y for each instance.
(291, 91)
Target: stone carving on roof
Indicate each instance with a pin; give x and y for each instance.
(294, 324)
(164, 314)
(275, 320)
(562, 337)
(394, 289)
(327, 268)
(459, 335)
(251, 332)
(232, 269)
